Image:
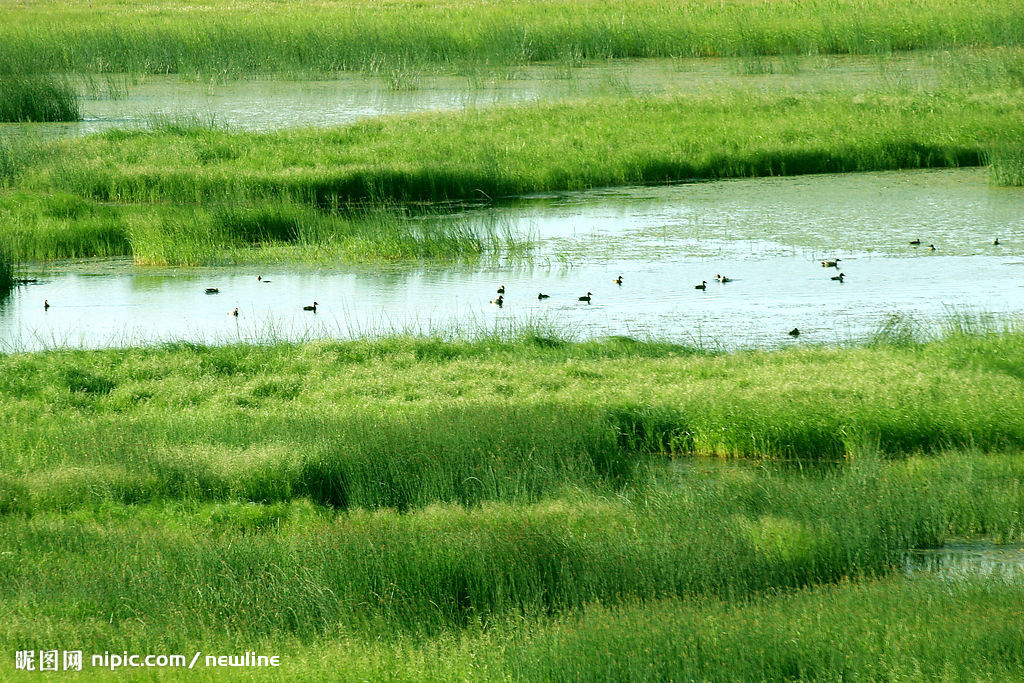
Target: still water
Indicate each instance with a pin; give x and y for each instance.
(118, 101)
(767, 235)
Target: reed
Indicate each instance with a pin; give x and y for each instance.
(35, 97)
(222, 39)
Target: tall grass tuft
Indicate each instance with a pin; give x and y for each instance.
(37, 98)
(6, 270)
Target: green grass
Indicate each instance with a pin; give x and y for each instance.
(169, 194)
(231, 39)
(36, 97)
(467, 422)
(7, 264)
(515, 507)
(1006, 163)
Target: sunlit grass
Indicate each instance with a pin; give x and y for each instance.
(395, 39)
(37, 98)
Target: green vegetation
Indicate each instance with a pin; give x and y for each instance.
(223, 38)
(397, 504)
(186, 194)
(1006, 163)
(6, 270)
(37, 98)
(466, 422)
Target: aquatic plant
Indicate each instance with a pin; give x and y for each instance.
(36, 97)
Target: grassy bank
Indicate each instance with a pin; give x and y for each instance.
(508, 508)
(472, 421)
(158, 194)
(34, 97)
(230, 39)
(174, 576)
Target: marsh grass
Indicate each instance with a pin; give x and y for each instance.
(398, 39)
(37, 98)
(7, 267)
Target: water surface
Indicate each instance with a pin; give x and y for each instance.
(767, 235)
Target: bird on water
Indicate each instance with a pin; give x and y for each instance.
(916, 242)
(723, 279)
(795, 332)
(618, 280)
(212, 290)
(46, 305)
(311, 308)
(501, 290)
(586, 298)
(830, 263)
(542, 296)
(839, 278)
(259, 278)
(499, 301)
(234, 312)
(996, 243)
(703, 285)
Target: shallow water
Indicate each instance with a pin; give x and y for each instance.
(962, 559)
(267, 104)
(768, 235)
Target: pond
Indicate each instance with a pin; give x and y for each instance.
(768, 236)
(119, 101)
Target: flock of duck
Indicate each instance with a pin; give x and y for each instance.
(500, 301)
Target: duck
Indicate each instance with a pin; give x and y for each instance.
(501, 290)
(795, 332)
(542, 296)
(723, 279)
(916, 242)
(212, 290)
(234, 312)
(46, 305)
(931, 247)
(618, 280)
(702, 285)
(996, 243)
(311, 308)
(828, 263)
(499, 301)
(259, 278)
(586, 298)
(839, 278)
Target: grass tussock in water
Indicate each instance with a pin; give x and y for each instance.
(7, 264)
(36, 97)
(1006, 162)
(399, 38)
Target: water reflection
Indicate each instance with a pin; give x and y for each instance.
(767, 235)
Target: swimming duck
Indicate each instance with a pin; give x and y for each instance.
(915, 242)
(618, 280)
(259, 278)
(501, 290)
(723, 279)
(795, 332)
(311, 308)
(499, 301)
(839, 278)
(996, 243)
(542, 296)
(931, 247)
(702, 285)
(46, 305)
(831, 264)
(212, 290)
(586, 298)
(234, 312)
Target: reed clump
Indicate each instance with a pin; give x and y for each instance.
(34, 97)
